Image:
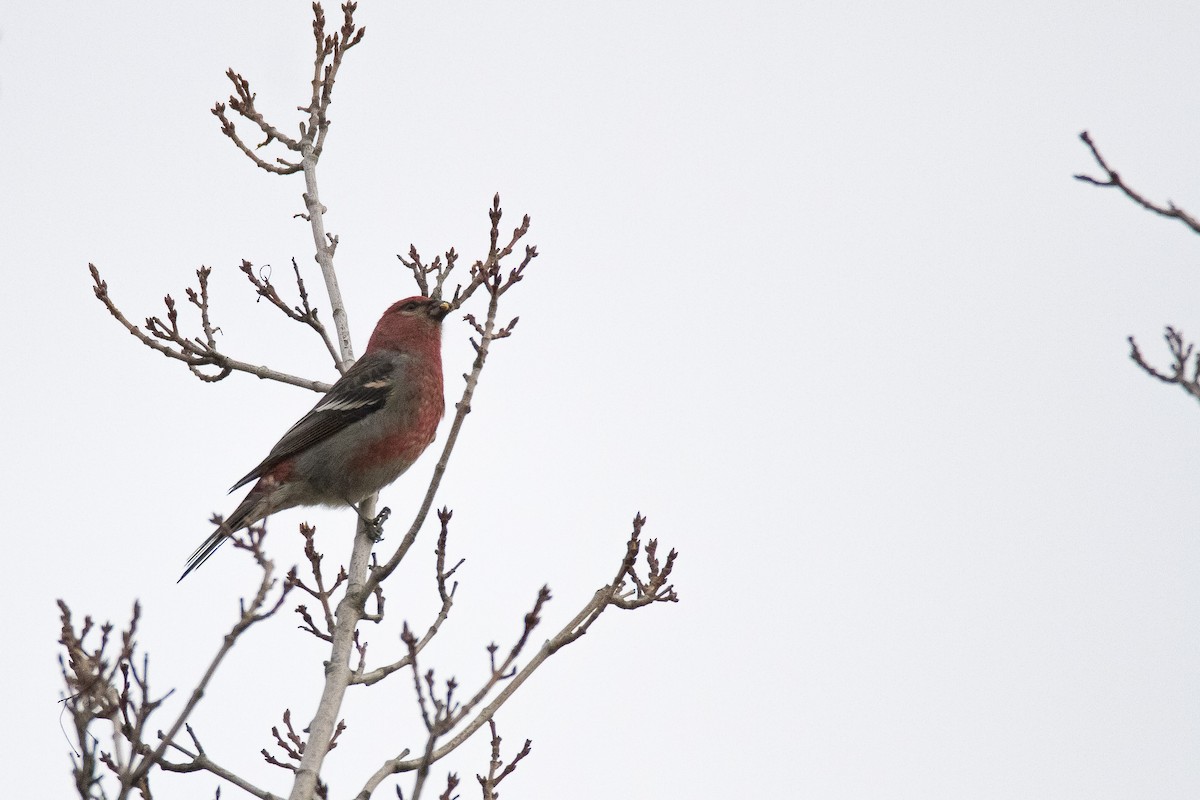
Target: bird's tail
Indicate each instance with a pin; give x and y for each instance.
(240, 518)
(205, 550)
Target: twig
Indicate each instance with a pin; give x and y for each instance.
(193, 351)
(242, 101)
(329, 53)
(1181, 351)
(250, 615)
(307, 147)
(291, 745)
(1183, 361)
(305, 313)
(90, 676)
(434, 725)
(447, 596)
(1112, 179)
(654, 589)
(484, 271)
(321, 593)
(200, 761)
(92, 680)
(489, 784)
(379, 776)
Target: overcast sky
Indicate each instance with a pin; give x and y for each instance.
(817, 294)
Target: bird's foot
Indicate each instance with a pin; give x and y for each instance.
(375, 526)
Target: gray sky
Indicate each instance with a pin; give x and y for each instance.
(817, 294)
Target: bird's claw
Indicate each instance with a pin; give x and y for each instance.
(375, 526)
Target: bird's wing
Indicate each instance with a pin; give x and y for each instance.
(362, 391)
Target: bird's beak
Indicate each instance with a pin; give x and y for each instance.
(440, 310)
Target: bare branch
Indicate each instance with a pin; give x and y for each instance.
(487, 271)
(307, 147)
(497, 770)
(329, 53)
(436, 268)
(228, 128)
(91, 678)
(201, 762)
(1185, 365)
(652, 589)
(166, 338)
(256, 611)
(319, 591)
(379, 776)
(451, 783)
(305, 313)
(243, 102)
(1113, 180)
(291, 745)
(326, 63)
(447, 596)
(1181, 351)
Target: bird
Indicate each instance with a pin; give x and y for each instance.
(370, 427)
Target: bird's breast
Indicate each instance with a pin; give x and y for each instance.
(405, 428)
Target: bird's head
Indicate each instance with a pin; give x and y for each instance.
(412, 324)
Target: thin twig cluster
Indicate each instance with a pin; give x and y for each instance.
(307, 145)
(305, 313)
(1184, 369)
(319, 591)
(484, 272)
(104, 685)
(497, 769)
(94, 694)
(330, 49)
(196, 352)
(1185, 363)
(446, 593)
(443, 714)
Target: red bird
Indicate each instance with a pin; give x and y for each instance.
(371, 426)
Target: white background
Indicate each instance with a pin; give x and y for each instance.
(817, 294)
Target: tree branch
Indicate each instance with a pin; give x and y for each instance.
(167, 339)
(305, 313)
(652, 589)
(495, 773)
(1183, 361)
(1181, 351)
(96, 694)
(201, 762)
(251, 615)
(447, 596)
(1113, 180)
(328, 60)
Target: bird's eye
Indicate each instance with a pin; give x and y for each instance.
(410, 306)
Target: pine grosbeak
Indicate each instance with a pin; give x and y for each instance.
(371, 426)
